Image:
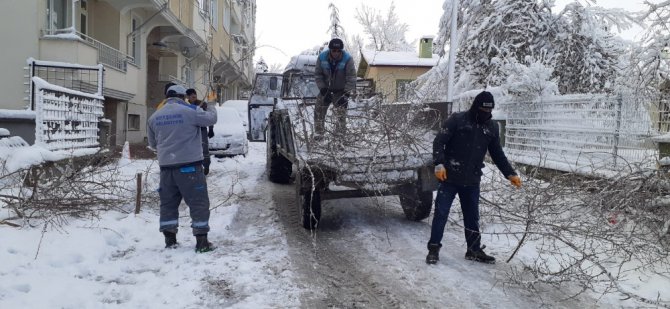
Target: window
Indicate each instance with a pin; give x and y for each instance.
(57, 14)
(83, 17)
(135, 39)
(204, 6)
(83, 23)
(215, 15)
(133, 122)
(226, 16)
(403, 89)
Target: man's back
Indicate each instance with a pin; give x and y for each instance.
(174, 131)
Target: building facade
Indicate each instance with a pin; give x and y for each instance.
(142, 44)
(392, 72)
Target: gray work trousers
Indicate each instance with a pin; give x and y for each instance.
(187, 182)
(339, 111)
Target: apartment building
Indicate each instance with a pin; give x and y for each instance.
(141, 44)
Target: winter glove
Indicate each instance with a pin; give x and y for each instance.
(323, 91)
(210, 133)
(515, 180)
(440, 172)
(203, 105)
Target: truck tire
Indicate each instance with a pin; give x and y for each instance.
(277, 166)
(416, 204)
(310, 208)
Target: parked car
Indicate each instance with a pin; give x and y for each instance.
(230, 137)
(242, 108)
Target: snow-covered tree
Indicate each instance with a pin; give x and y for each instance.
(336, 30)
(261, 66)
(494, 35)
(587, 54)
(385, 33)
(353, 45)
(529, 80)
(276, 68)
(649, 70)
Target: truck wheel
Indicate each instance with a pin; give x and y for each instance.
(310, 208)
(416, 204)
(277, 166)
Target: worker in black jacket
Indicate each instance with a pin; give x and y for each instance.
(458, 153)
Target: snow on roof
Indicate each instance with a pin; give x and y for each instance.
(302, 62)
(389, 58)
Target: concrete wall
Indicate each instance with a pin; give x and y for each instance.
(385, 78)
(103, 21)
(24, 128)
(69, 51)
(22, 22)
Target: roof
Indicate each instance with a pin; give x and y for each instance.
(302, 62)
(390, 58)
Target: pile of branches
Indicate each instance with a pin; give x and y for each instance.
(74, 188)
(597, 233)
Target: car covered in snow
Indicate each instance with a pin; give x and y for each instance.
(241, 106)
(230, 136)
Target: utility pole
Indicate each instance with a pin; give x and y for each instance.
(453, 46)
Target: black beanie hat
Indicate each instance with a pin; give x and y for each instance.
(336, 44)
(484, 99)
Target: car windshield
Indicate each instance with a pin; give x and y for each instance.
(267, 85)
(299, 85)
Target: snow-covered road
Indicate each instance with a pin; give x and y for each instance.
(364, 254)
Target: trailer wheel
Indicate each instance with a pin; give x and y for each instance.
(277, 166)
(416, 204)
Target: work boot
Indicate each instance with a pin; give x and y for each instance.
(202, 245)
(170, 240)
(433, 253)
(479, 256)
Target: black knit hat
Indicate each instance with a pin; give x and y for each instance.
(484, 99)
(336, 44)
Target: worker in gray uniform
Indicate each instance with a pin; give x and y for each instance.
(174, 131)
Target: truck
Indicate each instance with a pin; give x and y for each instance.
(387, 148)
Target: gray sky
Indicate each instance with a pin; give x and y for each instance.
(285, 28)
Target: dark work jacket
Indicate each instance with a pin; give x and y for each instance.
(461, 146)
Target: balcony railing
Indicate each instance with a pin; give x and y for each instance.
(107, 55)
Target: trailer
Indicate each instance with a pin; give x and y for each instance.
(387, 149)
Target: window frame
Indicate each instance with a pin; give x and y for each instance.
(134, 122)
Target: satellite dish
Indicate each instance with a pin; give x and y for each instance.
(187, 46)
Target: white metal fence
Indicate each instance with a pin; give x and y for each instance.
(66, 120)
(590, 134)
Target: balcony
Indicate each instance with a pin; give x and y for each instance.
(106, 54)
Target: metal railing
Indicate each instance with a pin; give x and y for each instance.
(107, 55)
(592, 134)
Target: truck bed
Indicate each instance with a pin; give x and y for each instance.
(384, 144)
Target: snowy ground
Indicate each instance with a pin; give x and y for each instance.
(365, 254)
(119, 261)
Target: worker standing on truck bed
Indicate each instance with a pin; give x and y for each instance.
(335, 76)
(458, 153)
